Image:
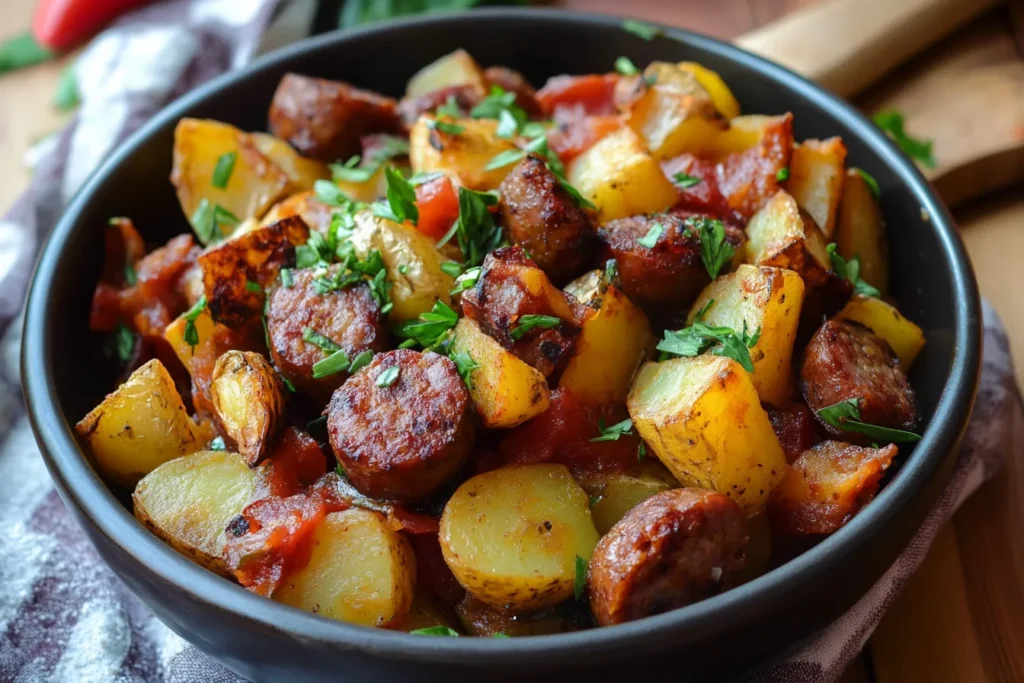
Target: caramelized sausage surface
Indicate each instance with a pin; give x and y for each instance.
(844, 361)
(324, 119)
(349, 317)
(541, 216)
(404, 440)
(675, 548)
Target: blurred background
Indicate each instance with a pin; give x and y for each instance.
(962, 616)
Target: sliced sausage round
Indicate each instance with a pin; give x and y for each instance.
(674, 549)
(402, 426)
(349, 318)
(845, 360)
(541, 216)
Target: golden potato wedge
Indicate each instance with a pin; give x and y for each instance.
(255, 182)
(138, 427)
(373, 189)
(702, 417)
(782, 235)
(860, 232)
(463, 155)
(616, 493)
(721, 96)
(301, 171)
(189, 501)
(613, 343)
(454, 69)
(905, 338)
(506, 391)
(256, 256)
(816, 171)
(511, 536)
(418, 284)
(742, 133)
(621, 177)
(249, 401)
(186, 353)
(674, 111)
(360, 570)
(759, 298)
(314, 213)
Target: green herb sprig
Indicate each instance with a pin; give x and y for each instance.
(718, 340)
(845, 415)
(850, 270)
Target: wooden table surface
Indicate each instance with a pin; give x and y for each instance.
(961, 618)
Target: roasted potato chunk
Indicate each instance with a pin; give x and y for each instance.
(138, 427)
(860, 232)
(325, 119)
(721, 96)
(816, 180)
(621, 177)
(613, 494)
(255, 183)
(454, 69)
(703, 419)
(765, 299)
(748, 179)
(189, 501)
(360, 571)
(827, 486)
(412, 261)
(905, 338)
(674, 549)
(249, 401)
(511, 536)
(256, 256)
(464, 155)
(783, 236)
(505, 390)
(314, 213)
(302, 172)
(613, 342)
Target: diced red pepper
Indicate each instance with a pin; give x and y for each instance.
(572, 138)
(591, 95)
(438, 205)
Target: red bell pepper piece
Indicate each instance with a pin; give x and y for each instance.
(438, 205)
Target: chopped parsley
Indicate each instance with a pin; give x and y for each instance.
(641, 452)
(352, 172)
(207, 220)
(684, 181)
(191, 335)
(337, 362)
(328, 193)
(581, 578)
(715, 251)
(594, 500)
(652, 236)
(538, 145)
(339, 468)
(130, 276)
(424, 177)
(465, 364)
(850, 270)
(892, 122)
(704, 310)
(475, 230)
(719, 340)
(253, 287)
(845, 415)
(641, 29)
(401, 199)
(388, 377)
(449, 108)
(611, 271)
(311, 336)
(217, 444)
(870, 180)
(286, 278)
(501, 105)
(436, 631)
(447, 127)
(432, 327)
(124, 340)
(530, 322)
(782, 175)
(612, 433)
(626, 67)
(361, 360)
(67, 96)
(466, 281)
(452, 268)
(223, 169)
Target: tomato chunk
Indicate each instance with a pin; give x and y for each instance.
(438, 205)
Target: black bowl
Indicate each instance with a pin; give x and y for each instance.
(731, 633)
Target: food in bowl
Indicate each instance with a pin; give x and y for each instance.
(496, 361)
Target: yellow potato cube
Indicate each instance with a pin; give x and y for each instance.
(463, 155)
(860, 232)
(905, 338)
(816, 171)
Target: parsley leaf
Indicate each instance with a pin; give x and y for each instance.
(388, 377)
(207, 219)
(612, 433)
(253, 287)
(447, 127)
(191, 335)
(641, 452)
(432, 327)
(581, 578)
(465, 364)
(311, 336)
(401, 199)
(328, 193)
(715, 251)
(466, 281)
(845, 415)
(850, 270)
(352, 172)
(424, 177)
(719, 340)
(436, 631)
(452, 268)
(340, 469)
(641, 29)
(684, 181)
(334, 363)
(704, 310)
(131, 277)
(501, 105)
(626, 67)
(124, 338)
(652, 236)
(217, 444)
(286, 278)
(475, 229)
(361, 360)
(529, 322)
(892, 122)
(222, 171)
(870, 180)
(450, 108)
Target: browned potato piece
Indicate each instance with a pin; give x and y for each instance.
(189, 501)
(674, 549)
(249, 401)
(256, 256)
(541, 216)
(463, 156)
(784, 236)
(306, 206)
(860, 232)
(302, 172)
(614, 494)
(816, 179)
(325, 119)
(453, 70)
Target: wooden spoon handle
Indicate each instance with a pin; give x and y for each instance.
(846, 45)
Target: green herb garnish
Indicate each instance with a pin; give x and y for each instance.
(719, 340)
(715, 251)
(432, 327)
(21, 51)
(641, 452)
(130, 276)
(191, 335)
(581, 578)
(253, 287)
(447, 127)
(475, 230)
(311, 336)
(361, 360)
(626, 67)
(436, 631)
(684, 181)
(217, 444)
(450, 108)
(641, 29)
(850, 270)
(67, 96)
(845, 415)
(782, 175)
(286, 278)
(401, 199)
(530, 322)
(208, 219)
(612, 433)
(465, 364)
(652, 236)
(338, 361)
(870, 180)
(124, 340)
(452, 268)
(466, 281)
(388, 376)
(892, 122)
(222, 171)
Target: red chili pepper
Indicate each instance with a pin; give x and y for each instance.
(62, 24)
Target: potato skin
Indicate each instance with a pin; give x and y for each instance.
(324, 119)
(846, 360)
(674, 549)
(541, 216)
(349, 317)
(403, 441)
(249, 401)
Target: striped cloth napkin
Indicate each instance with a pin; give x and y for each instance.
(63, 614)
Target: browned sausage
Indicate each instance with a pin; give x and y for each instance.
(348, 317)
(845, 360)
(541, 216)
(675, 548)
(325, 119)
(465, 96)
(663, 280)
(404, 440)
(510, 287)
(512, 81)
(795, 427)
